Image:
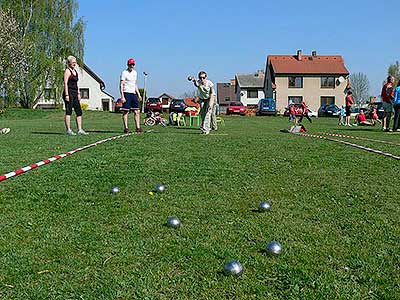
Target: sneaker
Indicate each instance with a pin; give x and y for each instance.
(82, 132)
(5, 130)
(126, 131)
(205, 132)
(139, 131)
(70, 132)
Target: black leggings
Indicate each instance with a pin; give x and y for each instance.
(305, 115)
(396, 123)
(73, 103)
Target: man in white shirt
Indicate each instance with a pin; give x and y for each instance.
(207, 96)
(130, 96)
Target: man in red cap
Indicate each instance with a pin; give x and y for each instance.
(130, 96)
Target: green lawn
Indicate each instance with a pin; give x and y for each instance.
(63, 235)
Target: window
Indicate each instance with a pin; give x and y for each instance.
(295, 99)
(328, 82)
(327, 100)
(252, 94)
(84, 93)
(295, 82)
(227, 99)
(50, 94)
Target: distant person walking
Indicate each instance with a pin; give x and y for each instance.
(387, 95)
(130, 96)
(304, 109)
(207, 96)
(396, 103)
(349, 103)
(72, 96)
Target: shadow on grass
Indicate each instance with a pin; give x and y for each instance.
(47, 133)
(367, 129)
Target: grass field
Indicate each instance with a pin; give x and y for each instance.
(63, 235)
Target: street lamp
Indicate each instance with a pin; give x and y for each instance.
(144, 91)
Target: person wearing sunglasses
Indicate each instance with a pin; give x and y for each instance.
(130, 96)
(207, 97)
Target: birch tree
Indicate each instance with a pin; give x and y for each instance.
(48, 31)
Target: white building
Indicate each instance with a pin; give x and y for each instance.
(92, 90)
(249, 88)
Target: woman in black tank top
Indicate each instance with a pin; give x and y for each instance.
(72, 96)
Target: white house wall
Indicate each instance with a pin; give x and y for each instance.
(242, 96)
(96, 95)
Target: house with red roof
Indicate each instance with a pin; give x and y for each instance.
(316, 79)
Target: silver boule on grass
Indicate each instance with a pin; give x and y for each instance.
(264, 206)
(233, 267)
(274, 248)
(115, 190)
(173, 222)
(160, 188)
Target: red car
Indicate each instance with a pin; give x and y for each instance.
(153, 104)
(297, 108)
(236, 108)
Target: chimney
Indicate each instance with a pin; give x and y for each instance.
(299, 55)
(260, 72)
(314, 53)
(233, 82)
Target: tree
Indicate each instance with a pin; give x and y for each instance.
(360, 88)
(394, 70)
(11, 55)
(47, 33)
(190, 94)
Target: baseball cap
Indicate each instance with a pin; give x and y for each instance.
(131, 61)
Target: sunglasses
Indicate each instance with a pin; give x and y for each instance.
(201, 77)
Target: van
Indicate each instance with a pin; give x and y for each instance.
(266, 106)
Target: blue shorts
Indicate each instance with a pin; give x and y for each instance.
(132, 102)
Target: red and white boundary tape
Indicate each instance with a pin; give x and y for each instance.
(57, 157)
(360, 138)
(351, 144)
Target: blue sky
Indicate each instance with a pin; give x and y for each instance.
(173, 39)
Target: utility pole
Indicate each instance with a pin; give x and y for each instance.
(144, 91)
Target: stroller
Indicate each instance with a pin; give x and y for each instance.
(154, 119)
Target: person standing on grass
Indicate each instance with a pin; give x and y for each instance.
(304, 109)
(292, 113)
(130, 96)
(387, 95)
(207, 96)
(72, 96)
(342, 115)
(349, 103)
(396, 103)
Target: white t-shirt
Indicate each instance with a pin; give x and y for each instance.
(206, 89)
(130, 81)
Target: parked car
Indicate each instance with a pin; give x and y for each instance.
(153, 104)
(236, 107)
(312, 113)
(177, 105)
(297, 108)
(328, 110)
(266, 106)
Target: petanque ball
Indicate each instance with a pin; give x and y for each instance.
(160, 188)
(173, 222)
(233, 267)
(264, 206)
(274, 248)
(115, 190)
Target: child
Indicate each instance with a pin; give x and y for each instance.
(374, 114)
(342, 114)
(292, 114)
(362, 119)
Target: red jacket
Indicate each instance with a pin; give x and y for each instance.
(387, 93)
